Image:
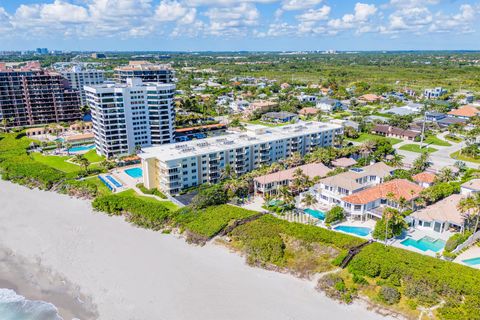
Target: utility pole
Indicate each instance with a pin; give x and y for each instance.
(423, 126)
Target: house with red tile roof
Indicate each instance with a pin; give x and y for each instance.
(309, 111)
(389, 131)
(369, 203)
(369, 98)
(424, 179)
(465, 112)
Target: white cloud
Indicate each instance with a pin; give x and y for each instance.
(358, 19)
(230, 21)
(168, 11)
(289, 5)
(229, 3)
(315, 14)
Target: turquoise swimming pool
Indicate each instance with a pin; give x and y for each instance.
(135, 173)
(359, 231)
(472, 262)
(315, 213)
(82, 148)
(425, 243)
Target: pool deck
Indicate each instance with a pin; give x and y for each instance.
(356, 223)
(417, 234)
(470, 253)
(127, 181)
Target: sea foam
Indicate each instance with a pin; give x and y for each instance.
(16, 307)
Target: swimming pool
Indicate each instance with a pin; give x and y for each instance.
(472, 262)
(115, 182)
(315, 213)
(135, 173)
(82, 148)
(359, 231)
(425, 243)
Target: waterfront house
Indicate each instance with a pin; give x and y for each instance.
(270, 183)
(332, 189)
(440, 217)
(465, 112)
(369, 203)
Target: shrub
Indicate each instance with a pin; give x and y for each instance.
(334, 215)
(389, 295)
(153, 191)
(455, 240)
(210, 196)
(394, 229)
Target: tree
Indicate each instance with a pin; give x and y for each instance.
(285, 194)
(209, 196)
(300, 180)
(294, 160)
(82, 161)
(422, 162)
(396, 160)
(470, 207)
(228, 172)
(391, 225)
(446, 175)
(309, 200)
(334, 214)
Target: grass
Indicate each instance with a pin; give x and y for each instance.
(167, 204)
(101, 187)
(434, 140)
(453, 139)
(416, 148)
(57, 162)
(368, 136)
(458, 156)
(93, 157)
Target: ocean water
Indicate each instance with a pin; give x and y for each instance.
(16, 307)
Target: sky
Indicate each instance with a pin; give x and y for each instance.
(230, 25)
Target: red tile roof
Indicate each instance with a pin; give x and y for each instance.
(426, 177)
(309, 110)
(465, 111)
(398, 187)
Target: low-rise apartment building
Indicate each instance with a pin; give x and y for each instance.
(131, 115)
(331, 190)
(174, 167)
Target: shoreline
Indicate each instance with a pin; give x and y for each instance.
(36, 283)
(132, 273)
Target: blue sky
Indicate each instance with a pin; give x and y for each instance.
(191, 25)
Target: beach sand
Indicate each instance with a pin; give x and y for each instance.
(130, 273)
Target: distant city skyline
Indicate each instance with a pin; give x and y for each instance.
(228, 25)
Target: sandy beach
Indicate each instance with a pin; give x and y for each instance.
(122, 272)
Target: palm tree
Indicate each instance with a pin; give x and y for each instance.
(445, 175)
(422, 162)
(396, 160)
(367, 147)
(68, 146)
(390, 215)
(285, 194)
(309, 200)
(82, 161)
(227, 172)
(5, 122)
(294, 160)
(470, 207)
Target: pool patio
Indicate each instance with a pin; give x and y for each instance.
(471, 253)
(416, 234)
(127, 181)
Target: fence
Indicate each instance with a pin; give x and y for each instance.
(471, 240)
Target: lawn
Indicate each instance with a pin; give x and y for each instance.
(458, 156)
(268, 124)
(101, 187)
(167, 204)
(368, 136)
(416, 148)
(60, 162)
(437, 141)
(453, 138)
(57, 162)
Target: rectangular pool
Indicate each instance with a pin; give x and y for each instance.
(425, 243)
(359, 231)
(82, 148)
(472, 262)
(135, 173)
(113, 181)
(315, 213)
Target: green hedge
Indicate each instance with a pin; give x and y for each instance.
(450, 281)
(153, 191)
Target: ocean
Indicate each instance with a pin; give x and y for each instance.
(16, 307)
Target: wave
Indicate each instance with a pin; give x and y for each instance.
(17, 307)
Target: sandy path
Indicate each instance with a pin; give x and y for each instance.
(131, 273)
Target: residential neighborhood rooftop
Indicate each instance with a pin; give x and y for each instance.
(472, 185)
(426, 177)
(465, 111)
(443, 210)
(311, 170)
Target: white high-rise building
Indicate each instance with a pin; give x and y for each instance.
(78, 78)
(131, 115)
(174, 167)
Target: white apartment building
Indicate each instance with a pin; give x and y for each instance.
(434, 93)
(131, 115)
(78, 78)
(171, 168)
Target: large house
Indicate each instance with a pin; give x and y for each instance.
(332, 189)
(270, 183)
(369, 203)
(389, 131)
(465, 112)
(440, 217)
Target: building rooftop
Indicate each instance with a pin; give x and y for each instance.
(465, 111)
(254, 134)
(426, 177)
(346, 180)
(311, 170)
(344, 162)
(400, 188)
(442, 211)
(472, 185)
(308, 111)
(143, 66)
